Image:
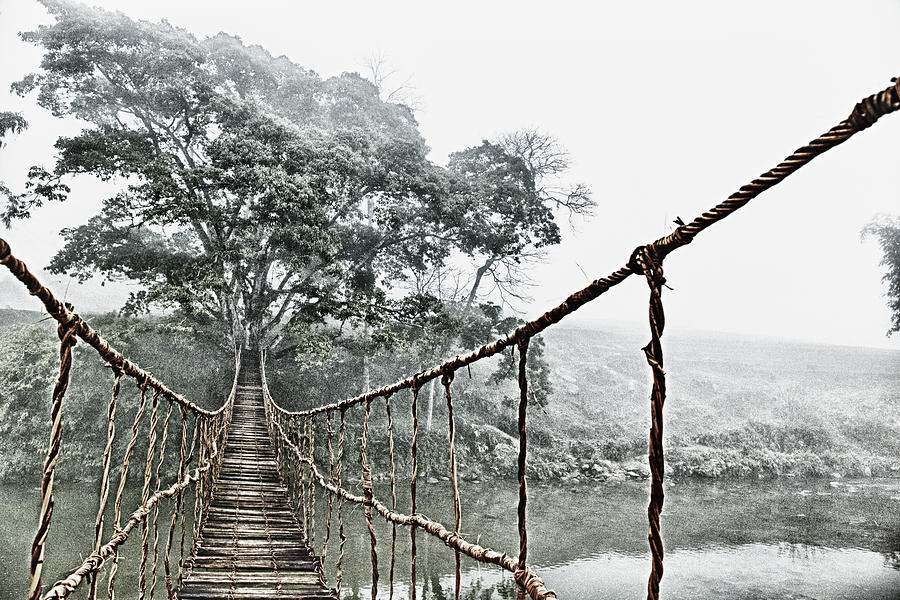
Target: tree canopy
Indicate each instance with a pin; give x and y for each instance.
(262, 196)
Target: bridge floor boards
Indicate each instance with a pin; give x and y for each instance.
(251, 545)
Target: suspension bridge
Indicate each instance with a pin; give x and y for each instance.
(247, 474)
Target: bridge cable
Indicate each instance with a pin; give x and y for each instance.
(368, 494)
(652, 268)
(390, 429)
(447, 380)
(412, 487)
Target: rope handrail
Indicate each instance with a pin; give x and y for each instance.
(524, 575)
(95, 560)
(863, 116)
(71, 320)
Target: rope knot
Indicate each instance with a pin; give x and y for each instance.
(870, 109)
(447, 378)
(66, 330)
(645, 260)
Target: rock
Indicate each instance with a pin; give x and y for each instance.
(431, 480)
(835, 475)
(445, 478)
(637, 466)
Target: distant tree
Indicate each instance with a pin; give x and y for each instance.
(512, 186)
(10, 122)
(887, 231)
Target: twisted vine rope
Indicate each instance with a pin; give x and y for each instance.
(523, 454)
(213, 424)
(653, 271)
(66, 342)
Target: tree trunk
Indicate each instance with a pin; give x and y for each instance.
(366, 375)
(479, 274)
(428, 419)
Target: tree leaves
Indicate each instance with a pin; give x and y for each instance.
(887, 231)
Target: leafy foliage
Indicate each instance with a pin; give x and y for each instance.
(887, 231)
(10, 122)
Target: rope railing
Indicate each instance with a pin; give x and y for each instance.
(647, 260)
(197, 463)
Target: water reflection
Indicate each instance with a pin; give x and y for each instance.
(786, 539)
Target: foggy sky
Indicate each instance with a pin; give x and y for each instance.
(666, 109)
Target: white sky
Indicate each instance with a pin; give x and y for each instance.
(665, 107)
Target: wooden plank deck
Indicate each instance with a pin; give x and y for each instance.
(252, 547)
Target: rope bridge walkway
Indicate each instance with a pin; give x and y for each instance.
(251, 544)
(247, 473)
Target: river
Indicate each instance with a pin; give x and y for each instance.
(784, 539)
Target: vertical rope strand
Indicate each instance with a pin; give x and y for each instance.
(330, 433)
(135, 426)
(145, 494)
(162, 456)
(292, 428)
(312, 484)
(340, 504)
(412, 489)
(390, 428)
(179, 497)
(66, 342)
(104, 478)
(302, 475)
(446, 380)
(367, 492)
(198, 489)
(188, 460)
(523, 454)
(653, 272)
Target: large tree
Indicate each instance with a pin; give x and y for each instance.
(258, 194)
(257, 191)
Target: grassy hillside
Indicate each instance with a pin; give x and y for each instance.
(186, 359)
(736, 405)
